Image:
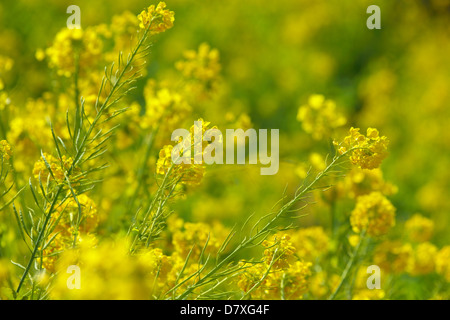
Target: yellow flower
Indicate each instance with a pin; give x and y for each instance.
(368, 152)
(163, 103)
(58, 168)
(70, 43)
(279, 250)
(374, 213)
(187, 173)
(423, 261)
(321, 284)
(194, 236)
(363, 181)
(68, 215)
(442, 262)
(107, 271)
(5, 150)
(6, 64)
(59, 242)
(310, 242)
(419, 228)
(157, 19)
(354, 239)
(251, 275)
(369, 294)
(393, 256)
(288, 283)
(319, 117)
(291, 283)
(202, 65)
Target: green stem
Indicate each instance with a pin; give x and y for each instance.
(79, 153)
(263, 231)
(40, 236)
(348, 267)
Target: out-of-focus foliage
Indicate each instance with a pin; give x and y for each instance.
(311, 69)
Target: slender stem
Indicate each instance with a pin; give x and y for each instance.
(263, 231)
(141, 171)
(79, 153)
(349, 266)
(38, 240)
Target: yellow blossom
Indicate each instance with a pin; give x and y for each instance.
(5, 150)
(319, 117)
(368, 151)
(442, 262)
(423, 261)
(157, 19)
(393, 256)
(311, 242)
(58, 168)
(374, 213)
(202, 65)
(72, 47)
(419, 228)
(279, 251)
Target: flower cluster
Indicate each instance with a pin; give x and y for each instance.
(6, 65)
(198, 237)
(74, 222)
(5, 150)
(419, 228)
(156, 19)
(393, 256)
(279, 251)
(187, 173)
(280, 276)
(367, 151)
(319, 117)
(359, 182)
(313, 241)
(373, 213)
(163, 103)
(202, 65)
(423, 259)
(55, 169)
(442, 265)
(72, 48)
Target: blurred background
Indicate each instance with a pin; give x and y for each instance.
(273, 56)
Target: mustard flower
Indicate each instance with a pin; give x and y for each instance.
(393, 256)
(279, 250)
(187, 173)
(5, 150)
(442, 262)
(310, 242)
(369, 151)
(69, 212)
(68, 44)
(419, 228)
(423, 261)
(157, 19)
(319, 117)
(374, 213)
(196, 235)
(58, 168)
(202, 65)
